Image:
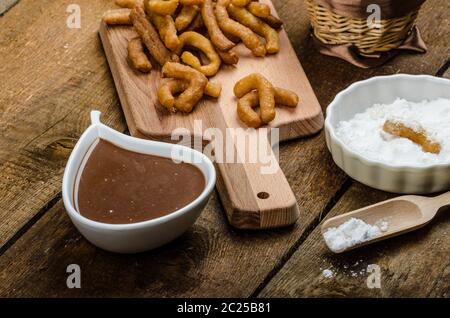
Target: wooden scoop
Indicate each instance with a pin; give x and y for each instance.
(403, 214)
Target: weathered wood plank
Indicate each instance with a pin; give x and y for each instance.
(416, 264)
(211, 259)
(52, 76)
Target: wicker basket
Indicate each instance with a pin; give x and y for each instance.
(332, 28)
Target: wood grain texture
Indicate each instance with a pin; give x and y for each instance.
(204, 262)
(240, 185)
(52, 77)
(416, 264)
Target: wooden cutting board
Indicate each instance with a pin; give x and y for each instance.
(252, 199)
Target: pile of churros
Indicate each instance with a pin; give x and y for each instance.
(190, 39)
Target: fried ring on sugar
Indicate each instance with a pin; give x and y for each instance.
(250, 100)
(117, 17)
(191, 2)
(162, 7)
(248, 37)
(266, 94)
(168, 90)
(186, 16)
(229, 57)
(198, 41)
(128, 3)
(244, 17)
(137, 56)
(272, 21)
(220, 41)
(196, 87)
(150, 37)
(241, 3)
(167, 30)
(261, 10)
(416, 135)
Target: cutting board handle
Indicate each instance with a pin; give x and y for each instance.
(255, 193)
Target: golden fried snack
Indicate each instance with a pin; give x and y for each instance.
(213, 89)
(244, 17)
(186, 16)
(272, 21)
(418, 136)
(258, 9)
(240, 3)
(250, 100)
(128, 3)
(137, 56)
(197, 24)
(266, 94)
(117, 17)
(162, 7)
(245, 110)
(229, 57)
(193, 93)
(191, 2)
(168, 90)
(220, 41)
(150, 37)
(167, 30)
(250, 39)
(198, 41)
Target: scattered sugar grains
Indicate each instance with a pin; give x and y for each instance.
(364, 132)
(327, 273)
(352, 232)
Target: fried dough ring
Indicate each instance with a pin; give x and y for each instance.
(244, 17)
(229, 57)
(266, 94)
(117, 17)
(150, 36)
(198, 41)
(250, 100)
(174, 86)
(248, 37)
(197, 82)
(167, 30)
(258, 9)
(137, 56)
(162, 7)
(417, 136)
(220, 41)
(128, 3)
(186, 16)
(240, 3)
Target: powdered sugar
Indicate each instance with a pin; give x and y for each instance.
(364, 132)
(352, 232)
(327, 273)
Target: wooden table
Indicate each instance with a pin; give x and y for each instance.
(51, 77)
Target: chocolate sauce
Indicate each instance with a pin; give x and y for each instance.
(120, 186)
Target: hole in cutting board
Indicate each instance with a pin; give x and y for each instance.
(263, 195)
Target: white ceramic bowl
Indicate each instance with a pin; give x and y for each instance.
(385, 89)
(142, 236)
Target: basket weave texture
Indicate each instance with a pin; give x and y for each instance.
(335, 29)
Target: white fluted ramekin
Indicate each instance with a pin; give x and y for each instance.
(385, 89)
